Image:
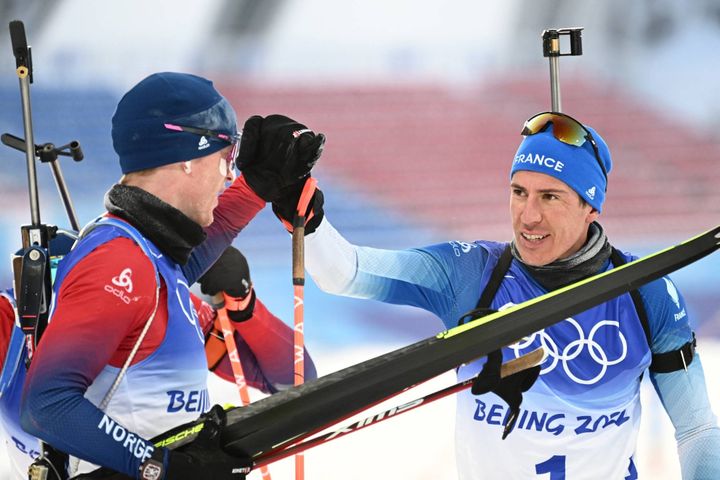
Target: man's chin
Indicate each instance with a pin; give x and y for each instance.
(203, 220)
(534, 259)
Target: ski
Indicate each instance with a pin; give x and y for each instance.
(285, 418)
(509, 368)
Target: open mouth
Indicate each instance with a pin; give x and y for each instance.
(533, 237)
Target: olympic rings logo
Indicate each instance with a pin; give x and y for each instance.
(574, 349)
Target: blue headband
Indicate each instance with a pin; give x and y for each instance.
(575, 166)
(138, 126)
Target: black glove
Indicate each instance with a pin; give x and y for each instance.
(231, 274)
(276, 151)
(509, 388)
(286, 205)
(203, 458)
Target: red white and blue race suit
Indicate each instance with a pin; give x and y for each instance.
(105, 290)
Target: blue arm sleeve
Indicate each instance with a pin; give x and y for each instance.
(682, 393)
(219, 237)
(108, 443)
(237, 205)
(441, 278)
(685, 398)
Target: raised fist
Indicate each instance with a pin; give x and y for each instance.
(275, 152)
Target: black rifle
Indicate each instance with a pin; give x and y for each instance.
(31, 266)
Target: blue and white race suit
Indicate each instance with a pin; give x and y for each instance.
(581, 418)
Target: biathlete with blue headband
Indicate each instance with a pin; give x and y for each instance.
(123, 358)
(580, 412)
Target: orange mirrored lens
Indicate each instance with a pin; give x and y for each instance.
(565, 129)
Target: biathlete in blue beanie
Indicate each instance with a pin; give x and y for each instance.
(123, 357)
(580, 412)
(264, 343)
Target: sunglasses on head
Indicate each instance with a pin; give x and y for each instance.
(233, 140)
(565, 129)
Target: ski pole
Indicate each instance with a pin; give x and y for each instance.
(509, 368)
(298, 277)
(228, 335)
(552, 50)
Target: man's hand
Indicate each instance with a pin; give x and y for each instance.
(276, 152)
(203, 458)
(508, 386)
(230, 275)
(285, 207)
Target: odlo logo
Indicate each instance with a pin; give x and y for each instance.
(124, 281)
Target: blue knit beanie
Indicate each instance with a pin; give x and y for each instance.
(576, 166)
(138, 126)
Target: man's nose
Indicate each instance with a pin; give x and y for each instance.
(531, 213)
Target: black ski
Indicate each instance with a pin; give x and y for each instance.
(282, 419)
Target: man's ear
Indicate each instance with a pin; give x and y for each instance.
(592, 215)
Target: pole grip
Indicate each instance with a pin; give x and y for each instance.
(298, 233)
(298, 253)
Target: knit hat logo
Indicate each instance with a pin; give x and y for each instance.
(203, 143)
(590, 192)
